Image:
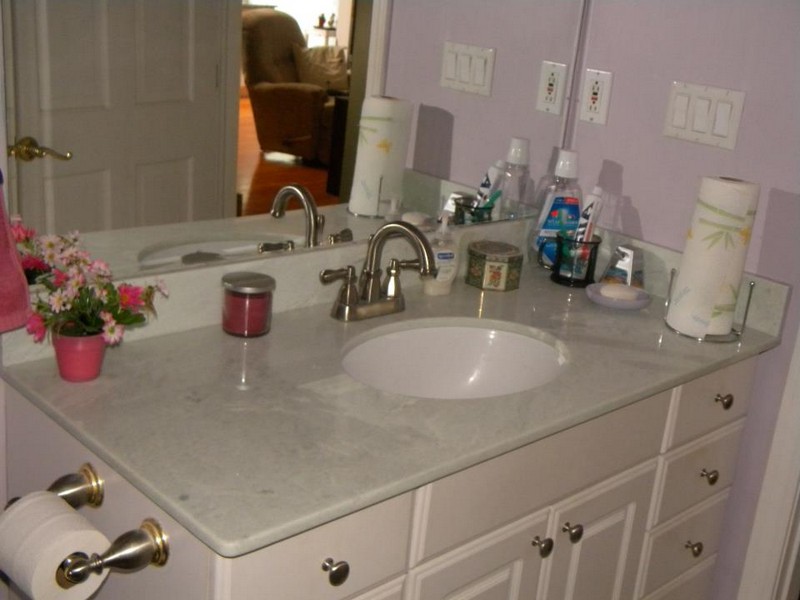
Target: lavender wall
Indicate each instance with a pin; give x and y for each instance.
(464, 133)
(744, 45)
(747, 45)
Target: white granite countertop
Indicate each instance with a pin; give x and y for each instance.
(246, 443)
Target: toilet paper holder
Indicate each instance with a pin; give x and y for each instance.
(82, 488)
(131, 551)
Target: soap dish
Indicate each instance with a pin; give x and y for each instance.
(633, 298)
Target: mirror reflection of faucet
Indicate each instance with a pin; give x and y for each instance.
(371, 297)
(314, 221)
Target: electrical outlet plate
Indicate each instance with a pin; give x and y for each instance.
(596, 96)
(552, 81)
(704, 114)
(467, 68)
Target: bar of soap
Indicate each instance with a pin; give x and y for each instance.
(619, 291)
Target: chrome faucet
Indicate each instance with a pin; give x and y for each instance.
(314, 221)
(371, 297)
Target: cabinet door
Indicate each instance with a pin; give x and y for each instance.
(598, 538)
(503, 565)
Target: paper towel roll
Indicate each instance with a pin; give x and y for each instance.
(37, 533)
(383, 135)
(705, 292)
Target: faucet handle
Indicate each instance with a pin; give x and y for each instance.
(345, 235)
(347, 298)
(391, 285)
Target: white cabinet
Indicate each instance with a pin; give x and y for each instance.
(631, 502)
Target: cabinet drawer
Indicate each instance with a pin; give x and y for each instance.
(705, 404)
(666, 555)
(695, 584)
(467, 504)
(697, 471)
(373, 542)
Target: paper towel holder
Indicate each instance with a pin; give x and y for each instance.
(83, 488)
(132, 551)
(735, 334)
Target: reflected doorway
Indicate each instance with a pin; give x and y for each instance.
(260, 175)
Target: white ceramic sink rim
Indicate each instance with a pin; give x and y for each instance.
(454, 358)
(165, 253)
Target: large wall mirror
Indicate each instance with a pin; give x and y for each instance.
(147, 93)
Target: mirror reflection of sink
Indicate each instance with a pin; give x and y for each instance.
(206, 251)
(454, 358)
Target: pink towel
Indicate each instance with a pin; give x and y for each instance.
(15, 305)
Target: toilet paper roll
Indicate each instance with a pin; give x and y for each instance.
(383, 136)
(36, 534)
(706, 289)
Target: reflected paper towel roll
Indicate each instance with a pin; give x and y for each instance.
(383, 135)
(37, 533)
(706, 289)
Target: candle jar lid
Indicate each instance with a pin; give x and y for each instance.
(246, 282)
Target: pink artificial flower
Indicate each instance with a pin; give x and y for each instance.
(101, 293)
(59, 301)
(33, 263)
(60, 278)
(36, 327)
(100, 268)
(112, 332)
(130, 297)
(106, 316)
(19, 232)
(73, 287)
(161, 287)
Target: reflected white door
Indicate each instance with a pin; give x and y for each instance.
(132, 89)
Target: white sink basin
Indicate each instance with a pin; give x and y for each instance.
(454, 358)
(205, 251)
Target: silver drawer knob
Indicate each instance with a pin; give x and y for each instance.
(726, 401)
(711, 476)
(575, 532)
(545, 546)
(338, 571)
(695, 547)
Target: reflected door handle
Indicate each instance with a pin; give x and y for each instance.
(27, 148)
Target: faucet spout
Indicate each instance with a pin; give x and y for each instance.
(370, 276)
(314, 221)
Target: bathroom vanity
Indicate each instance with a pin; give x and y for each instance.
(276, 474)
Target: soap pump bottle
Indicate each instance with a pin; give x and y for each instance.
(445, 252)
(514, 179)
(561, 207)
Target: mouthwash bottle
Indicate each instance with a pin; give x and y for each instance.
(514, 179)
(561, 207)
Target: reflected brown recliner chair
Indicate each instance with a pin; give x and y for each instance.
(290, 116)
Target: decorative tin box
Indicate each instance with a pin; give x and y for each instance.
(494, 265)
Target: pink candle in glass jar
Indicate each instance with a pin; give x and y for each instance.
(247, 305)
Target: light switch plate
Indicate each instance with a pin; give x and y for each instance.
(552, 82)
(704, 114)
(467, 68)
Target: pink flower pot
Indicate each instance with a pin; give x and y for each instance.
(79, 358)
